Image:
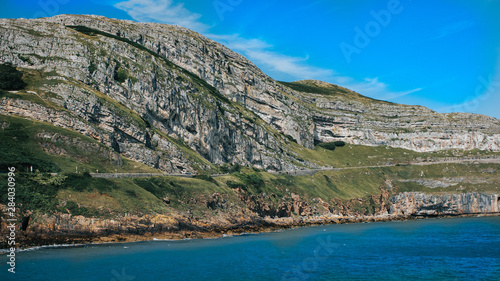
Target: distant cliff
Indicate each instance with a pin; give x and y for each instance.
(420, 204)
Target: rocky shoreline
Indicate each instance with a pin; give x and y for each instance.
(28, 240)
(37, 229)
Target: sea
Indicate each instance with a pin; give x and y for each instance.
(430, 249)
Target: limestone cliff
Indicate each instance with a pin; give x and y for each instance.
(340, 114)
(132, 99)
(151, 91)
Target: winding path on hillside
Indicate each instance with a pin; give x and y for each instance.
(306, 172)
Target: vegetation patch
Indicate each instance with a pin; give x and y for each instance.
(11, 79)
(206, 178)
(24, 147)
(328, 145)
(252, 180)
(326, 89)
(120, 74)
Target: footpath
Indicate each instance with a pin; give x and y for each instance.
(306, 172)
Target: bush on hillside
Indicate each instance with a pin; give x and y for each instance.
(327, 145)
(206, 178)
(228, 168)
(251, 180)
(10, 78)
(331, 145)
(339, 143)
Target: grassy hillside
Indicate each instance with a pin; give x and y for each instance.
(359, 156)
(50, 149)
(329, 90)
(79, 194)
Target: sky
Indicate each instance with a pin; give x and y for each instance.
(442, 54)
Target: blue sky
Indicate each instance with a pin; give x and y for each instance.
(443, 54)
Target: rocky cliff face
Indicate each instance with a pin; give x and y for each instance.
(358, 121)
(132, 99)
(420, 204)
(155, 92)
(230, 73)
(341, 114)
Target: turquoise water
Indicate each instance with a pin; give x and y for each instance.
(437, 249)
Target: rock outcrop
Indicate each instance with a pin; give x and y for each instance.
(420, 204)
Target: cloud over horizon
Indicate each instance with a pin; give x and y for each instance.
(162, 11)
(373, 88)
(454, 28)
(261, 53)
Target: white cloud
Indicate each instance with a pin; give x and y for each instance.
(261, 54)
(454, 28)
(162, 11)
(373, 88)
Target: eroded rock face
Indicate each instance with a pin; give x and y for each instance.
(263, 205)
(415, 128)
(360, 120)
(124, 138)
(230, 73)
(131, 100)
(373, 123)
(129, 89)
(420, 204)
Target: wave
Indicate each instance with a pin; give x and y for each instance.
(36, 248)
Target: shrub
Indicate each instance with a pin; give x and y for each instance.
(252, 180)
(120, 75)
(10, 78)
(235, 185)
(206, 178)
(71, 205)
(75, 210)
(92, 67)
(291, 138)
(327, 145)
(339, 143)
(228, 169)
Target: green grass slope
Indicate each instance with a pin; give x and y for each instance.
(80, 194)
(24, 145)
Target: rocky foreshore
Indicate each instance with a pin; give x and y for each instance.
(132, 230)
